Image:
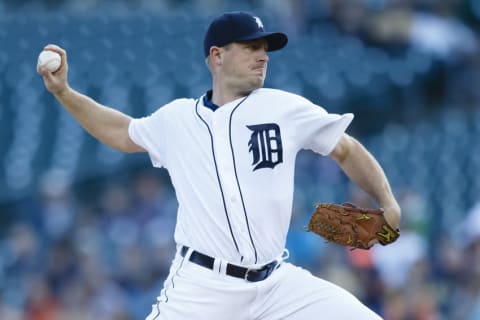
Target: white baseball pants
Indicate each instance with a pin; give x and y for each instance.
(193, 292)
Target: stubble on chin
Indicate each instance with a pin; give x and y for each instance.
(252, 87)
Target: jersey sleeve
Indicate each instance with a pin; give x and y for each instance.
(148, 133)
(329, 131)
(318, 130)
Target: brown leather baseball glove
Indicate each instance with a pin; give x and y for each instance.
(349, 225)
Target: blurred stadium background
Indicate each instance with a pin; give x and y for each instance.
(86, 232)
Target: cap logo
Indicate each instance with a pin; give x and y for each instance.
(259, 22)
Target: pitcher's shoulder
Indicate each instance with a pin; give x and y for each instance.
(281, 95)
(179, 104)
(183, 102)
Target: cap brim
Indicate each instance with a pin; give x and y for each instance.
(275, 40)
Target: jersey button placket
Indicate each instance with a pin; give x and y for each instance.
(223, 154)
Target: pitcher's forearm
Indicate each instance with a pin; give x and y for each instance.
(364, 170)
(108, 125)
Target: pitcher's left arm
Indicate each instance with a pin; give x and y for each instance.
(363, 169)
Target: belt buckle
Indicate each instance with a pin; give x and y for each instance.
(246, 274)
(262, 269)
(268, 269)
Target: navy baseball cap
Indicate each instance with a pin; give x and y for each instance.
(240, 26)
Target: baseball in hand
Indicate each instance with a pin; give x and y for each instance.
(49, 60)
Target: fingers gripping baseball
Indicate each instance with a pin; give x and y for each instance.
(349, 225)
(55, 79)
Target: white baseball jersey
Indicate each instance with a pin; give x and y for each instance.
(233, 167)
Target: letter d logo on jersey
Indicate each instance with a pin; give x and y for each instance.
(266, 145)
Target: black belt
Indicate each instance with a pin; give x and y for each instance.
(252, 275)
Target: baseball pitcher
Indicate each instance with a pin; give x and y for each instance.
(231, 155)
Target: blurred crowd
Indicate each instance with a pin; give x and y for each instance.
(100, 248)
(97, 253)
